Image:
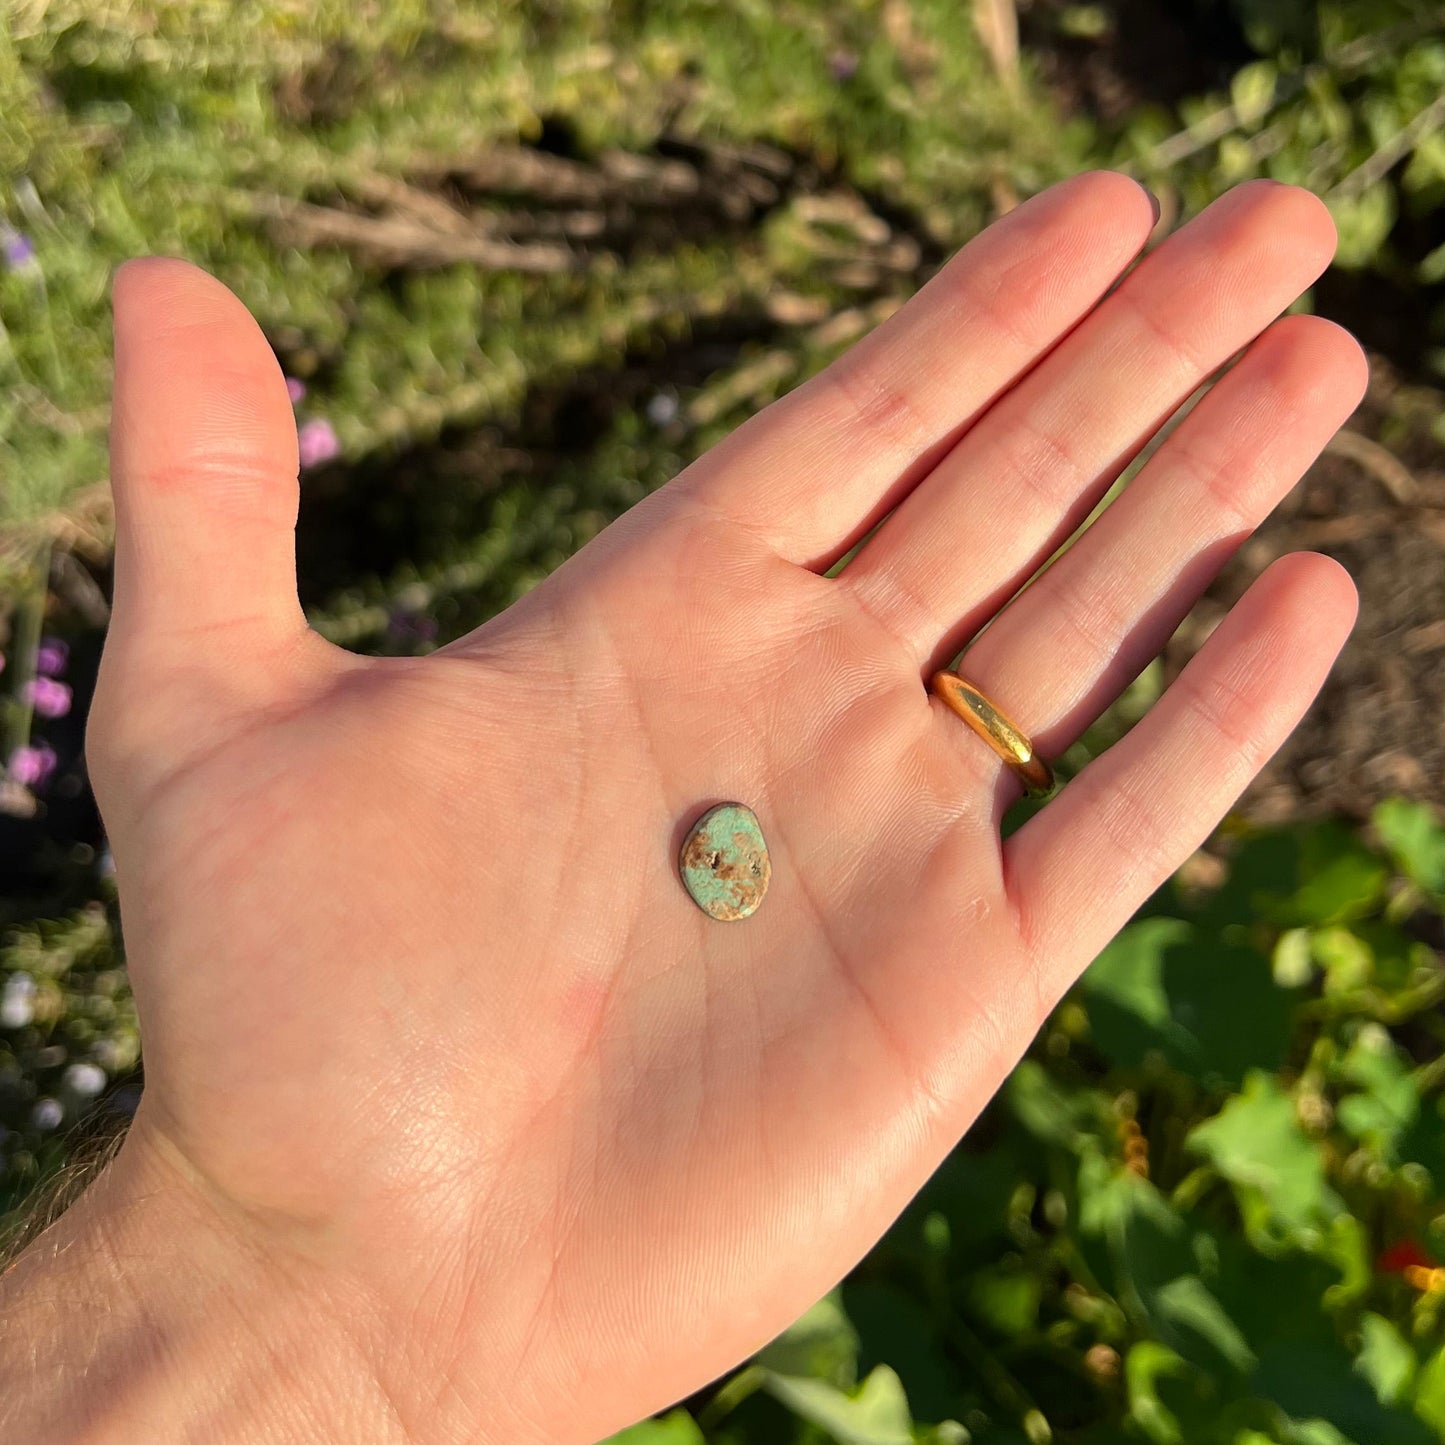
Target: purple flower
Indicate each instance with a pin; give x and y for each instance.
(295, 389)
(51, 656)
(32, 765)
(317, 442)
(19, 250)
(843, 65)
(47, 696)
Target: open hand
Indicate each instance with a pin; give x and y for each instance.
(434, 1037)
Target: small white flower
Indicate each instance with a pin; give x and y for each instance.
(47, 1114)
(85, 1079)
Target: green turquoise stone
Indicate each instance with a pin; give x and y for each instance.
(724, 862)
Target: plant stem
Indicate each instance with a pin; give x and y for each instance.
(1355, 55)
(1379, 165)
(31, 609)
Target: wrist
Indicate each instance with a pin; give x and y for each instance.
(149, 1311)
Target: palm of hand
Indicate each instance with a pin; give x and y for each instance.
(425, 997)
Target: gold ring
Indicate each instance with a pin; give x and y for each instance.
(1008, 741)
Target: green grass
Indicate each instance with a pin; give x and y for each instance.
(141, 128)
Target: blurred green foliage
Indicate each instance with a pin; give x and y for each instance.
(129, 128)
(1207, 1205)
(1346, 98)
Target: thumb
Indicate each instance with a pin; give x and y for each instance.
(204, 471)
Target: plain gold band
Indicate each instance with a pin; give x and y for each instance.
(1008, 741)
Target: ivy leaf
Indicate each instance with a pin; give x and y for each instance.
(1065, 1118)
(1424, 1143)
(678, 1428)
(1272, 1298)
(876, 1414)
(1412, 833)
(1386, 1106)
(1158, 1266)
(1386, 1359)
(1300, 877)
(822, 1344)
(1256, 1143)
(1345, 958)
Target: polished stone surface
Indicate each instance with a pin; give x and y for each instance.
(724, 862)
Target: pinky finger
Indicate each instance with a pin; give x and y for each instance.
(1078, 870)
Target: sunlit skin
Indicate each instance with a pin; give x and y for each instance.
(461, 1120)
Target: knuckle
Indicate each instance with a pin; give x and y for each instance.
(1090, 614)
(878, 410)
(1218, 706)
(1188, 359)
(1214, 481)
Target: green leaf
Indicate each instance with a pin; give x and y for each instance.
(1273, 1297)
(1430, 1392)
(1158, 1265)
(1344, 956)
(1363, 222)
(895, 1329)
(876, 1414)
(1188, 1306)
(1385, 1108)
(970, 1192)
(678, 1428)
(1211, 1009)
(822, 1344)
(1431, 271)
(1412, 833)
(1385, 1359)
(1127, 975)
(1144, 1366)
(1397, 962)
(1256, 1142)
(1251, 92)
(1292, 961)
(1005, 1297)
(1312, 875)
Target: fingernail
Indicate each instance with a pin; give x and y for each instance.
(1154, 202)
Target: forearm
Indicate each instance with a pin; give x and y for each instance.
(141, 1314)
